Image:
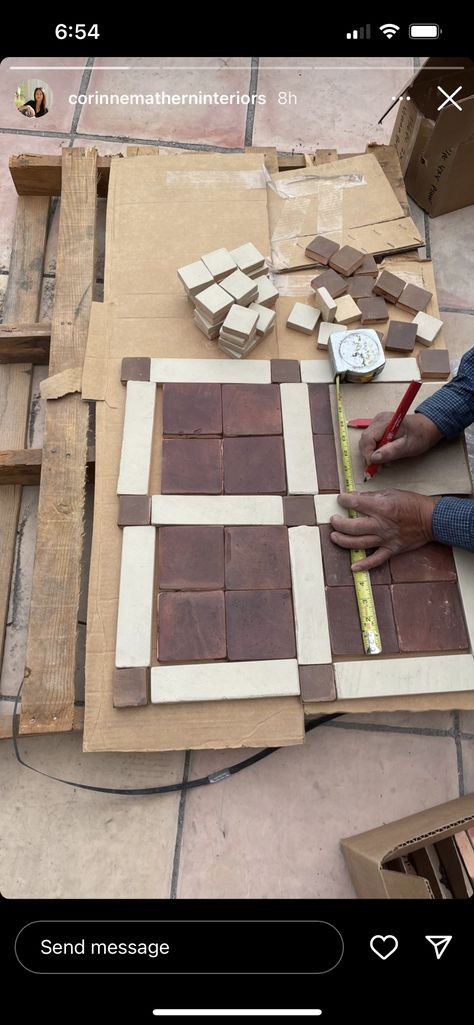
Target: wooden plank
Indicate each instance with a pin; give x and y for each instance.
(291, 162)
(23, 466)
(22, 304)
(25, 343)
(6, 723)
(48, 692)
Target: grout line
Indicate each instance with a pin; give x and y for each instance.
(179, 830)
(86, 74)
(44, 135)
(459, 758)
(426, 223)
(386, 728)
(456, 309)
(251, 107)
(196, 146)
(466, 736)
(8, 697)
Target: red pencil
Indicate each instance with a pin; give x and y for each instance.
(393, 427)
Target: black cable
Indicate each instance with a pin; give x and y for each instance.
(171, 788)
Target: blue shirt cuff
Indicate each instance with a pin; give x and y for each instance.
(453, 522)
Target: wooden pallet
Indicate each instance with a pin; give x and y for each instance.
(78, 177)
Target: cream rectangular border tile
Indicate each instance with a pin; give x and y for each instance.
(389, 677)
(465, 570)
(135, 610)
(225, 510)
(137, 438)
(327, 506)
(207, 371)
(298, 440)
(316, 371)
(404, 369)
(309, 599)
(220, 681)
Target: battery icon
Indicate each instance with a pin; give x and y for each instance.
(424, 31)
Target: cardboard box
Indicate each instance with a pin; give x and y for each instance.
(367, 854)
(436, 147)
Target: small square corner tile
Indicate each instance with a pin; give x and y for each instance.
(130, 687)
(299, 511)
(134, 511)
(135, 368)
(317, 683)
(285, 371)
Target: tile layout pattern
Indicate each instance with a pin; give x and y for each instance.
(248, 585)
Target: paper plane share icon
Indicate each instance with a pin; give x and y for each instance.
(439, 943)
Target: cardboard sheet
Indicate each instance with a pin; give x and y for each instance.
(350, 201)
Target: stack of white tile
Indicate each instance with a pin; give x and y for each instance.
(266, 319)
(249, 260)
(242, 289)
(195, 277)
(219, 263)
(267, 293)
(238, 334)
(211, 307)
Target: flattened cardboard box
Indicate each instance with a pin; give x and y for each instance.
(366, 853)
(436, 147)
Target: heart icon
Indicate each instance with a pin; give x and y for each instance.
(384, 946)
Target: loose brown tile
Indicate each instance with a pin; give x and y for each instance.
(256, 558)
(259, 625)
(251, 409)
(346, 260)
(130, 688)
(389, 286)
(326, 462)
(192, 409)
(344, 623)
(321, 248)
(134, 511)
(299, 511)
(361, 286)
(373, 310)
(191, 558)
(135, 368)
(431, 562)
(285, 371)
(400, 337)
(429, 617)
(434, 364)
(368, 266)
(254, 466)
(191, 466)
(414, 299)
(317, 683)
(320, 405)
(335, 284)
(191, 626)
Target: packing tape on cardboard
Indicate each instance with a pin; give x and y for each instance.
(214, 179)
(311, 184)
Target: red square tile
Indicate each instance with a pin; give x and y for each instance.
(130, 687)
(429, 617)
(192, 409)
(256, 558)
(320, 405)
(326, 463)
(317, 683)
(191, 626)
(285, 370)
(337, 562)
(259, 625)
(134, 510)
(431, 562)
(191, 466)
(250, 409)
(299, 511)
(254, 466)
(344, 623)
(191, 558)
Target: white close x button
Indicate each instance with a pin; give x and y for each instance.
(449, 98)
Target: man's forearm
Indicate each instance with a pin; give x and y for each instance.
(453, 522)
(452, 407)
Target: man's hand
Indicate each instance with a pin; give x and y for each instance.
(389, 521)
(416, 434)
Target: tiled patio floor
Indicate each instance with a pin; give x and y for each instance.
(274, 829)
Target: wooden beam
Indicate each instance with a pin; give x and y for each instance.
(48, 691)
(291, 163)
(22, 304)
(23, 466)
(25, 343)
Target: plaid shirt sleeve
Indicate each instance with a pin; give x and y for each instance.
(452, 410)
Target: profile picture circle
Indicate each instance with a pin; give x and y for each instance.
(33, 98)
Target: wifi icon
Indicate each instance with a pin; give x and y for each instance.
(389, 30)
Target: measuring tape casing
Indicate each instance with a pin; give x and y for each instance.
(356, 356)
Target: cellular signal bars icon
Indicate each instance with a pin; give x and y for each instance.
(359, 33)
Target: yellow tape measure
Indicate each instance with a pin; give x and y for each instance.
(363, 587)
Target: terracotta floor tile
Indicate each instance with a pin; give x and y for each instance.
(130, 687)
(317, 683)
(192, 409)
(336, 560)
(254, 466)
(191, 626)
(299, 511)
(429, 617)
(134, 511)
(191, 558)
(285, 371)
(457, 330)
(468, 760)
(452, 253)
(326, 463)
(467, 723)
(218, 125)
(344, 623)
(431, 562)
(259, 625)
(256, 558)
(320, 405)
(191, 466)
(298, 852)
(59, 85)
(251, 409)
